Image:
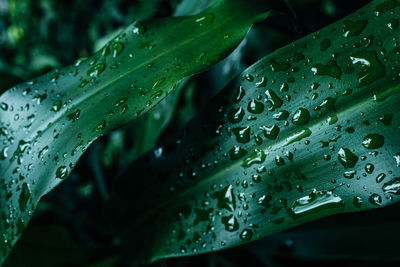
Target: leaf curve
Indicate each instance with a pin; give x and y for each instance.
(46, 124)
(308, 131)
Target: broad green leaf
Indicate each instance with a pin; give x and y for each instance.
(46, 124)
(308, 131)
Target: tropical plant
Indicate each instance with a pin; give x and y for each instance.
(307, 131)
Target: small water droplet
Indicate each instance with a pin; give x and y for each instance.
(62, 172)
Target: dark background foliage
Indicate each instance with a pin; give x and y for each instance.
(69, 229)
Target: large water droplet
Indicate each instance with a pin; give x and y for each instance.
(237, 152)
(242, 134)
(330, 69)
(257, 157)
(270, 132)
(273, 99)
(373, 141)
(392, 187)
(236, 115)
(225, 198)
(353, 28)
(255, 107)
(347, 158)
(372, 67)
(301, 116)
(314, 200)
(246, 235)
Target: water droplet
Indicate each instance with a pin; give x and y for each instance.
(96, 70)
(246, 235)
(372, 68)
(74, 116)
(393, 24)
(281, 115)
(43, 152)
(279, 161)
(231, 223)
(256, 178)
(386, 119)
(237, 152)
(298, 136)
(325, 44)
(117, 48)
(347, 158)
(100, 126)
(330, 69)
(369, 168)
(264, 201)
(56, 105)
(139, 28)
(357, 201)
(273, 99)
(270, 132)
(255, 107)
(373, 141)
(380, 177)
(349, 174)
(275, 66)
(242, 134)
(332, 119)
(236, 115)
(386, 6)
(397, 159)
(375, 199)
(3, 153)
(257, 157)
(314, 200)
(353, 28)
(24, 196)
(301, 116)
(4, 106)
(240, 92)
(204, 19)
(262, 83)
(62, 172)
(392, 187)
(225, 198)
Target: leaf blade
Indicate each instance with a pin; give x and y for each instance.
(219, 191)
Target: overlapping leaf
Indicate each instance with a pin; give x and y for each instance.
(46, 124)
(309, 131)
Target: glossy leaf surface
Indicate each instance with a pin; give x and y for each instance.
(46, 124)
(308, 131)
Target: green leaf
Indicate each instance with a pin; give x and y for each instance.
(308, 131)
(46, 124)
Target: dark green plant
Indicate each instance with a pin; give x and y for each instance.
(307, 131)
